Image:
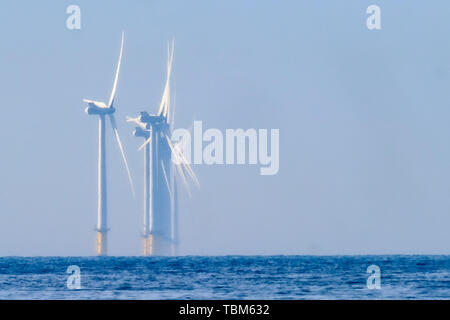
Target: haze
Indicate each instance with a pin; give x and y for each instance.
(363, 119)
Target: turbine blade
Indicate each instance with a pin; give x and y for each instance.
(179, 168)
(183, 177)
(191, 174)
(167, 112)
(188, 168)
(165, 178)
(167, 109)
(113, 92)
(172, 148)
(135, 120)
(116, 132)
(165, 101)
(146, 142)
(172, 113)
(183, 161)
(162, 106)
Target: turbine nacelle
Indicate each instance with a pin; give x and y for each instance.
(151, 119)
(139, 132)
(98, 108)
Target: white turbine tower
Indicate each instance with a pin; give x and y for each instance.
(103, 110)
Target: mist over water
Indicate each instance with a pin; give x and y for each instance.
(362, 118)
(226, 277)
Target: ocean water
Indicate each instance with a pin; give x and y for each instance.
(226, 277)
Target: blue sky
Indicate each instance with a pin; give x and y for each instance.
(363, 118)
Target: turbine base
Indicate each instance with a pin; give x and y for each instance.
(147, 244)
(155, 245)
(101, 249)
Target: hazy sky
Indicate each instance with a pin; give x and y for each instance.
(363, 118)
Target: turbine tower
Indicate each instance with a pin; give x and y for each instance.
(160, 232)
(142, 130)
(103, 111)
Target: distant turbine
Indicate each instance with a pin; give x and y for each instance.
(101, 109)
(142, 130)
(160, 187)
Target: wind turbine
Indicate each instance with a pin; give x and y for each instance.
(142, 130)
(103, 110)
(160, 187)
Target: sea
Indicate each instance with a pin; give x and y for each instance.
(226, 277)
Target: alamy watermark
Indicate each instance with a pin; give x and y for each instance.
(74, 280)
(73, 21)
(236, 146)
(374, 280)
(373, 22)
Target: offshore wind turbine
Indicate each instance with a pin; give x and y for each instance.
(104, 111)
(142, 130)
(160, 233)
